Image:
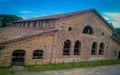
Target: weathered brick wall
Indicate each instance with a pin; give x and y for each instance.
(44, 43)
(52, 44)
(115, 46)
(36, 23)
(78, 23)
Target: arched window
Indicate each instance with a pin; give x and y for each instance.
(38, 54)
(66, 49)
(88, 30)
(94, 48)
(77, 48)
(101, 49)
(18, 53)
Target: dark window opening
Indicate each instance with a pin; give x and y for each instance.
(114, 53)
(34, 23)
(16, 24)
(28, 23)
(47, 23)
(23, 24)
(70, 29)
(39, 24)
(94, 49)
(88, 30)
(77, 48)
(101, 49)
(20, 23)
(2, 47)
(66, 49)
(38, 54)
(119, 55)
(102, 33)
(18, 53)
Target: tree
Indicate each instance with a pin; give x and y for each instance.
(7, 19)
(118, 30)
(0, 23)
(116, 35)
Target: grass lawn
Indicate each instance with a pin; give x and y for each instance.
(59, 66)
(6, 71)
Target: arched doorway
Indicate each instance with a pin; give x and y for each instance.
(18, 57)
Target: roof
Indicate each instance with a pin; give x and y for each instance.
(64, 15)
(11, 34)
(58, 16)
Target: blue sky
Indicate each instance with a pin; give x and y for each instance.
(109, 9)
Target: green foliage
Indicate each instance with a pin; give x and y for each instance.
(0, 23)
(116, 34)
(118, 30)
(7, 19)
(6, 71)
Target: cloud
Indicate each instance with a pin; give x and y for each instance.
(33, 13)
(114, 18)
(26, 12)
(106, 18)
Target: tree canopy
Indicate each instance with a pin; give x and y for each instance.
(7, 19)
(116, 33)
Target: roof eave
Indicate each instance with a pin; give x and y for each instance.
(26, 37)
(115, 39)
(103, 19)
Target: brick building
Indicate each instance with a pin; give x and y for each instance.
(75, 36)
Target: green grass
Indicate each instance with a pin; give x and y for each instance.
(59, 66)
(6, 71)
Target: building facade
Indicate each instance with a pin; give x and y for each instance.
(75, 36)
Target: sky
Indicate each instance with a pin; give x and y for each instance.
(109, 9)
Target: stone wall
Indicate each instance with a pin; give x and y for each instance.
(36, 23)
(52, 44)
(44, 43)
(115, 47)
(78, 23)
